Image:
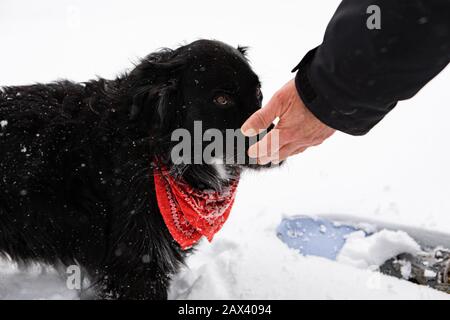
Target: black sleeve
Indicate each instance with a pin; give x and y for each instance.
(357, 75)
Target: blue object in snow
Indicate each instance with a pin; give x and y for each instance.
(317, 237)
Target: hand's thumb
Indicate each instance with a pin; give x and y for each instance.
(260, 120)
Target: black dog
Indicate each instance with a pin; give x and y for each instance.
(75, 163)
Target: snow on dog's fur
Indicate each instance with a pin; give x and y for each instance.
(75, 175)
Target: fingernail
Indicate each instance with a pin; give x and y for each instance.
(248, 132)
(263, 161)
(252, 152)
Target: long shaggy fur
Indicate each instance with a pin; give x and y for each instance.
(75, 169)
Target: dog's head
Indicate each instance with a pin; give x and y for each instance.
(190, 98)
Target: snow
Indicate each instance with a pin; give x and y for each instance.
(234, 275)
(405, 269)
(429, 274)
(36, 282)
(398, 173)
(372, 251)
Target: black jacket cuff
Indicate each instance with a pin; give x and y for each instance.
(324, 110)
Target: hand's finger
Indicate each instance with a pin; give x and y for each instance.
(284, 153)
(268, 145)
(262, 118)
(300, 150)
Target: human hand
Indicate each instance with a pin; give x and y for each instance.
(297, 129)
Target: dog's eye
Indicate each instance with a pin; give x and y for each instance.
(223, 100)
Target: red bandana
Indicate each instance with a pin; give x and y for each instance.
(188, 213)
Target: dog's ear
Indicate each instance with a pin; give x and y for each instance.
(154, 84)
(243, 50)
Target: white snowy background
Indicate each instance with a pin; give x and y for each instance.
(397, 173)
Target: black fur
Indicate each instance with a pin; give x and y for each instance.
(75, 163)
